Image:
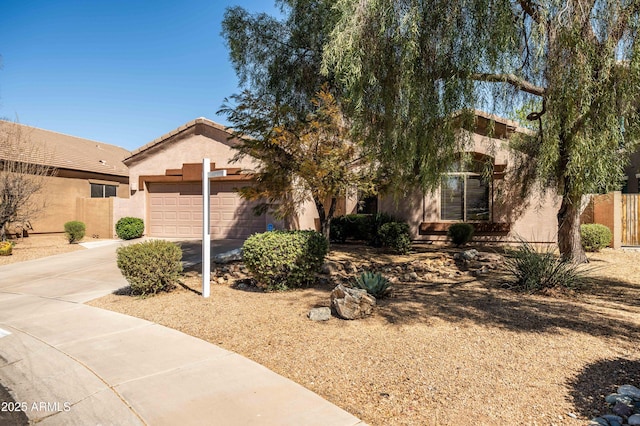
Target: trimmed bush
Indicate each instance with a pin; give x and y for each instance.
(395, 235)
(594, 236)
(375, 284)
(460, 233)
(74, 230)
(537, 270)
(129, 228)
(281, 260)
(6, 248)
(151, 266)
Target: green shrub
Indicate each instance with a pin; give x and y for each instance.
(460, 233)
(351, 227)
(536, 270)
(360, 227)
(151, 266)
(338, 230)
(281, 260)
(377, 220)
(395, 235)
(594, 236)
(375, 284)
(129, 228)
(6, 248)
(74, 230)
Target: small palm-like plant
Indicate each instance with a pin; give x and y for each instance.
(538, 269)
(375, 284)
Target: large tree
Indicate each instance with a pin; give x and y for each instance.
(411, 66)
(281, 57)
(288, 115)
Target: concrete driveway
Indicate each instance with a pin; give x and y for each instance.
(67, 363)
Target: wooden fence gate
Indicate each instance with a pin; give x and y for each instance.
(630, 220)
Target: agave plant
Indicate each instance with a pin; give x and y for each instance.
(375, 284)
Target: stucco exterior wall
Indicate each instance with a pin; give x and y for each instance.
(532, 218)
(192, 148)
(63, 199)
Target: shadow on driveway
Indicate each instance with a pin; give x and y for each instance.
(9, 414)
(192, 249)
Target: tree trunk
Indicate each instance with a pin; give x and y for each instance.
(569, 242)
(324, 217)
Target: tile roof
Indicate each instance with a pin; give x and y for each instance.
(158, 141)
(64, 151)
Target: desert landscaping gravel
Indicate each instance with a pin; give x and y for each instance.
(448, 350)
(37, 246)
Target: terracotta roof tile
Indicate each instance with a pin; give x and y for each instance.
(66, 152)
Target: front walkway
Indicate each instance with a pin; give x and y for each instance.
(68, 363)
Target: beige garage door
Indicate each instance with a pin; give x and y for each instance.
(175, 210)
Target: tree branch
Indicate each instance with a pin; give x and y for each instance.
(511, 79)
(531, 9)
(623, 21)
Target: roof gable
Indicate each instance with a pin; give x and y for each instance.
(199, 126)
(64, 151)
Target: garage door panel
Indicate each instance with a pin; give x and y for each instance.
(176, 211)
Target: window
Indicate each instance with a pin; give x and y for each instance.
(464, 196)
(99, 190)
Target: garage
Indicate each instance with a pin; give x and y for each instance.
(175, 210)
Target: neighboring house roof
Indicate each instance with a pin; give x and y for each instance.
(200, 125)
(65, 152)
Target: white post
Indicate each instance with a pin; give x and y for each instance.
(206, 229)
(206, 224)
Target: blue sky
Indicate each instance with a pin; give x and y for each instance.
(122, 72)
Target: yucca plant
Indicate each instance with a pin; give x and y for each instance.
(536, 270)
(375, 284)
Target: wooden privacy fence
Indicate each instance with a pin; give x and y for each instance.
(630, 220)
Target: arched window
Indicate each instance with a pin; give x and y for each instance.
(465, 193)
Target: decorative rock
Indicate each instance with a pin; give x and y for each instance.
(349, 267)
(599, 421)
(229, 256)
(634, 420)
(411, 276)
(479, 272)
(612, 419)
(630, 391)
(320, 314)
(330, 268)
(469, 254)
(616, 397)
(622, 410)
(351, 303)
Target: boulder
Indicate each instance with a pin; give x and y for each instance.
(630, 391)
(634, 420)
(351, 303)
(320, 314)
(228, 256)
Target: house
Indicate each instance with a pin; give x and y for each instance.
(495, 204)
(166, 190)
(166, 184)
(161, 182)
(87, 183)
